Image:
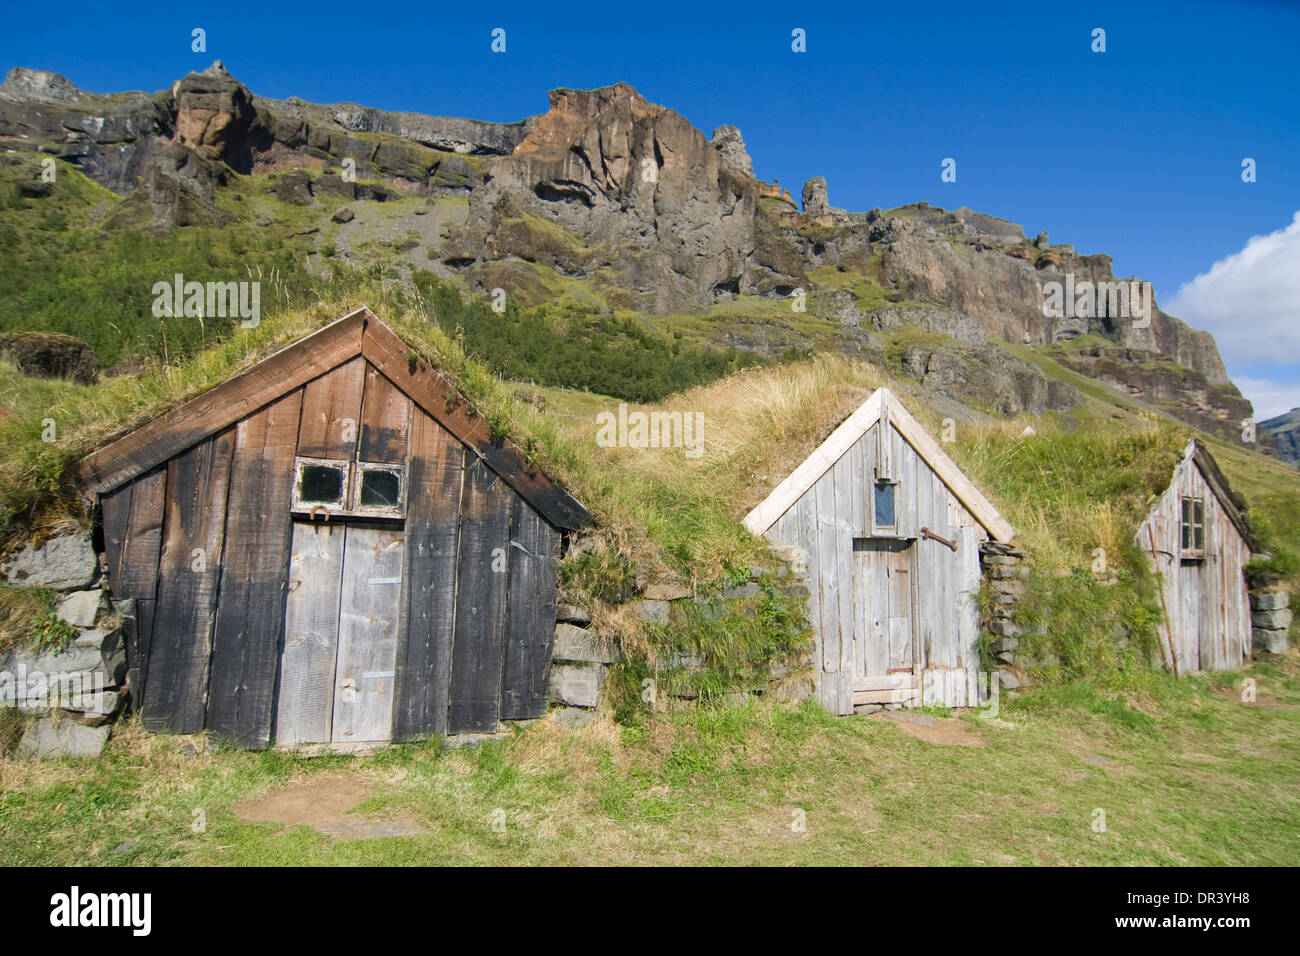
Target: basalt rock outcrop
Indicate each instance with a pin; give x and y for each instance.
(1285, 432)
(629, 197)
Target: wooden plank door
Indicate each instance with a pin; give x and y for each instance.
(1188, 627)
(369, 615)
(884, 621)
(305, 712)
(898, 570)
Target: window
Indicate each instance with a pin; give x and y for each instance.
(379, 490)
(1193, 527)
(349, 488)
(320, 483)
(883, 506)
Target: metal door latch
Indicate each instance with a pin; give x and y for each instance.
(927, 533)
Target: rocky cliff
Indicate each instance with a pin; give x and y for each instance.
(628, 197)
(1285, 431)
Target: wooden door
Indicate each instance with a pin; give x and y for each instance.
(341, 629)
(1187, 628)
(304, 714)
(369, 606)
(884, 626)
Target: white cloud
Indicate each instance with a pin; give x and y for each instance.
(1250, 300)
(1269, 398)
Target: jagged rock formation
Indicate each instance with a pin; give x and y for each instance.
(113, 138)
(629, 197)
(731, 146)
(1285, 432)
(666, 222)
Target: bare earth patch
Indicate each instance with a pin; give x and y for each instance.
(933, 730)
(325, 804)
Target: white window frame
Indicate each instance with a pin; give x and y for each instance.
(300, 463)
(879, 530)
(397, 511)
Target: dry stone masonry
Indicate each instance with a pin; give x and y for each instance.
(1007, 577)
(73, 692)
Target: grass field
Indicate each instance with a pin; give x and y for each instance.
(1184, 772)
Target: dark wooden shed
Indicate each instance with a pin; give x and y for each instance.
(331, 548)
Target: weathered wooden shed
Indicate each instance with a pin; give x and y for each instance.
(331, 548)
(1199, 542)
(891, 531)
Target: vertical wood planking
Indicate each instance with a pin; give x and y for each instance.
(480, 601)
(250, 607)
(842, 475)
(385, 420)
(331, 412)
(433, 506)
(530, 613)
(305, 707)
(828, 562)
(138, 553)
(369, 629)
(189, 571)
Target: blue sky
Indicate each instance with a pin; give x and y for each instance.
(1135, 152)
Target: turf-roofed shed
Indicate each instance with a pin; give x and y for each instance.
(1199, 542)
(890, 530)
(331, 548)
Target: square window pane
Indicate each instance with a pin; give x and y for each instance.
(380, 489)
(321, 485)
(884, 505)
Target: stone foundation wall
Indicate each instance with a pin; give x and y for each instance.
(1270, 620)
(1004, 572)
(581, 661)
(76, 691)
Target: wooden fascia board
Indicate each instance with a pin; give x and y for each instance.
(854, 427)
(386, 351)
(225, 403)
(1218, 482)
(933, 454)
(814, 466)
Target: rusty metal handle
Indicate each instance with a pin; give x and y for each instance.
(927, 533)
(322, 509)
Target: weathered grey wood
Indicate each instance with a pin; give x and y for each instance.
(189, 568)
(480, 601)
(331, 412)
(138, 574)
(435, 395)
(886, 447)
(254, 573)
(435, 478)
(305, 701)
(223, 405)
(1205, 601)
(530, 613)
(829, 585)
(385, 420)
(369, 628)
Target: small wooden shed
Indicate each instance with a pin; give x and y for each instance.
(331, 548)
(891, 532)
(1199, 542)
